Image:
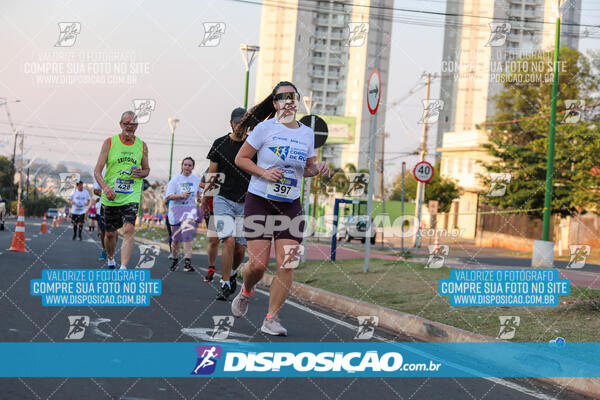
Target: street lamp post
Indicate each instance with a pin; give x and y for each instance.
(173, 124)
(249, 55)
(543, 250)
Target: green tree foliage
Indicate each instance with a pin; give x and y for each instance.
(444, 190)
(8, 190)
(520, 146)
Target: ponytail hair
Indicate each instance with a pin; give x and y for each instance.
(260, 112)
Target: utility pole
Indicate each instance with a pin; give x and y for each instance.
(22, 136)
(421, 185)
(27, 190)
(381, 184)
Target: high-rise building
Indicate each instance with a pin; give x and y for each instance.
(329, 48)
(480, 36)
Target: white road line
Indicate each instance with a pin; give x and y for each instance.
(498, 381)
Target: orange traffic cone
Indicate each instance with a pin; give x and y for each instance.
(54, 222)
(18, 243)
(44, 228)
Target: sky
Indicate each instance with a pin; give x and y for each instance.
(150, 50)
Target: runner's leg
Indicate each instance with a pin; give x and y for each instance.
(127, 245)
(258, 251)
(280, 287)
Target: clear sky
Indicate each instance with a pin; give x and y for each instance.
(150, 50)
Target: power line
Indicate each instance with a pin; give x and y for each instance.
(426, 12)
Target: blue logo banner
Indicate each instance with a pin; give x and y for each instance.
(319, 359)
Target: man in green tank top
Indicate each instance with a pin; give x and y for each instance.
(126, 159)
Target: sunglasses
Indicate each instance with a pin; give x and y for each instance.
(130, 123)
(286, 96)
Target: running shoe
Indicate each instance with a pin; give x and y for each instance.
(187, 267)
(239, 305)
(174, 264)
(111, 264)
(233, 281)
(210, 275)
(170, 256)
(273, 326)
(225, 292)
(102, 255)
(123, 267)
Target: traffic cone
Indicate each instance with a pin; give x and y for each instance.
(18, 243)
(54, 222)
(44, 228)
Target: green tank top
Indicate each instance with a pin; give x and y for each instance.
(122, 160)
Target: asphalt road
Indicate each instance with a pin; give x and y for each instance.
(183, 313)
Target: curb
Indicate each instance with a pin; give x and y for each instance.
(408, 324)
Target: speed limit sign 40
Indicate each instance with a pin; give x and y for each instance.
(423, 171)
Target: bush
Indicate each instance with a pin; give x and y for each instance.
(37, 207)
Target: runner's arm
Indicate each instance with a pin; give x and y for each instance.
(100, 165)
(243, 159)
(145, 170)
(312, 169)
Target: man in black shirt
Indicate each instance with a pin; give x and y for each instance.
(229, 187)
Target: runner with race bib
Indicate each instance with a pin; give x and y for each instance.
(126, 159)
(285, 150)
(181, 194)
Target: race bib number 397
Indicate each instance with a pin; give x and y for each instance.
(282, 190)
(123, 185)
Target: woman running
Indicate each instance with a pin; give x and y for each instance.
(181, 194)
(285, 150)
(92, 216)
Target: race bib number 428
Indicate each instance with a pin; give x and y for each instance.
(123, 185)
(282, 190)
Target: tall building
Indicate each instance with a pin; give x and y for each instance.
(480, 36)
(328, 48)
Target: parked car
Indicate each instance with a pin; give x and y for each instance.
(355, 227)
(52, 212)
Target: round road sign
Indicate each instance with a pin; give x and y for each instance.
(374, 91)
(423, 171)
(319, 126)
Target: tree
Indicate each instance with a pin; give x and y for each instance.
(518, 136)
(8, 189)
(444, 190)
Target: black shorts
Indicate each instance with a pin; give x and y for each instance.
(114, 217)
(100, 223)
(266, 219)
(77, 218)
